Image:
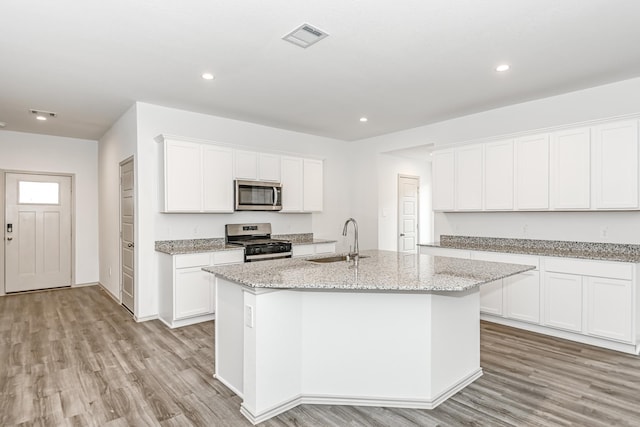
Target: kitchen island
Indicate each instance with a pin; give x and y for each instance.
(399, 330)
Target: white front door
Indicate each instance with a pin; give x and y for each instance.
(37, 232)
(408, 213)
(127, 245)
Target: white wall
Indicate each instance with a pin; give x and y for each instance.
(152, 225)
(118, 144)
(78, 157)
(612, 100)
(389, 167)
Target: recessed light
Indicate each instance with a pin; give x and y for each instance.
(502, 67)
(364, 119)
(207, 76)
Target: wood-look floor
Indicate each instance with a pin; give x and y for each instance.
(74, 357)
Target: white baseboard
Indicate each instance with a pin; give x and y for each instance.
(82, 285)
(311, 399)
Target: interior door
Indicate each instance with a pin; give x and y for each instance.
(37, 232)
(408, 213)
(127, 244)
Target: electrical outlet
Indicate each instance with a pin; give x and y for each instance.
(109, 271)
(525, 229)
(248, 316)
(604, 232)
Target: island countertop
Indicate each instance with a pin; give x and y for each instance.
(378, 270)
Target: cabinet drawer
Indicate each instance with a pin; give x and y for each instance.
(508, 258)
(193, 260)
(228, 257)
(584, 267)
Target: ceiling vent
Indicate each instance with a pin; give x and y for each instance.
(305, 35)
(42, 113)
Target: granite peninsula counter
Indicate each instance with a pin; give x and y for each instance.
(400, 330)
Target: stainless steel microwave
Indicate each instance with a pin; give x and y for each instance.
(258, 196)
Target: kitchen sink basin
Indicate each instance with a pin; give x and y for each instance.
(337, 258)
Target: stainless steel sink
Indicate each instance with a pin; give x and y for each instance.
(336, 258)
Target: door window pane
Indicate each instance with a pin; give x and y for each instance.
(38, 193)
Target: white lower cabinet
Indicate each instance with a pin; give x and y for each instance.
(187, 293)
(491, 298)
(590, 301)
(193, 293)
(522, 295)
(609, 308)
(563, 301)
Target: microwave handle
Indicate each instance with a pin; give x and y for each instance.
(275, 196)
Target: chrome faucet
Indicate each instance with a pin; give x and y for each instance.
(355, 254)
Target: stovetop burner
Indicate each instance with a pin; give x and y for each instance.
(257, 241)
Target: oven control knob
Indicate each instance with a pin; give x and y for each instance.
(256, 251)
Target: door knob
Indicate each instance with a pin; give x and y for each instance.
(9, 238)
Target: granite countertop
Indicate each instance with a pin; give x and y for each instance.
(380, 270)
(192, 246)
(554, 248)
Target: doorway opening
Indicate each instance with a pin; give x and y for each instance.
(408, 213)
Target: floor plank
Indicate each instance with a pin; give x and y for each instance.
(73, 357)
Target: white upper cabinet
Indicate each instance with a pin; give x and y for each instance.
(292, 188)
(615, 165)
(197, 177)
(532, 172)
(269, 167)
(498, 175)
(183, 181)
(313, 185)
(443, 173)
(468, 181)
(571, 169)
(251, 165)
(218, 183)
(302, 185)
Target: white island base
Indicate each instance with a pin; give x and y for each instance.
(279, 348)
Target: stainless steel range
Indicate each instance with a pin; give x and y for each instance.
(257, 241)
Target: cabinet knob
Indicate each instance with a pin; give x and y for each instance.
(129, 245)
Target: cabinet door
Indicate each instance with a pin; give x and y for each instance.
(268, 167)
(313, 185)
(498, 175)
(532, 172)
(491, 298)
(194, 294)
(615, 165)
(217, 179)
(246, 165)
(563, 301)
(610, 308)
(292, 187)
(571, 169)
(443, 173)
(468, 180)
(183, 176)
(522, 293)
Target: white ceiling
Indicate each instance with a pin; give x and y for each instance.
(402, 64)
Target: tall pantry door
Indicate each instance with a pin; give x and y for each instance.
(37, 232)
